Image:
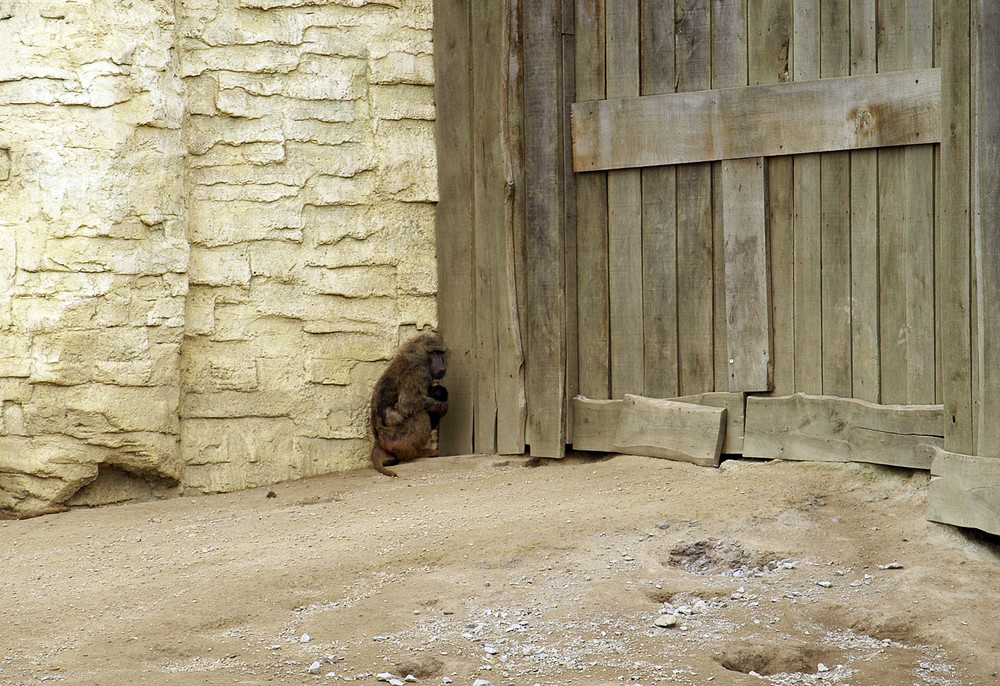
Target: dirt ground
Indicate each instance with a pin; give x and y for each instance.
(511, 571)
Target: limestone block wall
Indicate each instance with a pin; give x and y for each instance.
(216, 224)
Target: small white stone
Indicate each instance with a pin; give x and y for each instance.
(665, 621)
(446, 679)
(384, 676)
(305, 638)
(822, 668)
(700, 606)
(490, 649)
(891, 565)
(397, 682)
(482, 682)
(315, 667)
(824, 584)
(410, 678)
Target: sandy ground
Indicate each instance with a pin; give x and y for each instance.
(513, 572)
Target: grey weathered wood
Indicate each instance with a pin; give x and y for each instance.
(919, 173)
(695, 305)
(572, 375)
(770, 35)
(964, 491)
(545, 364)
(816, 115)
(595, 423)
(824, 428)
(669, 429)
(806, 243)
(952, 276)
(499, 415)
(624, 212)
(729, 70)
(659, 213)
(835, 214)
(454, 219)
(592, 217)
(748, 305)
(987, 255)
(865, 366)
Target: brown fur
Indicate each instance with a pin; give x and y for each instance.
(406, 404)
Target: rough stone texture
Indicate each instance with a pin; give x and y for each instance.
(216, 223)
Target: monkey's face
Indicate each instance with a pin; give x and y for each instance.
(436, 364)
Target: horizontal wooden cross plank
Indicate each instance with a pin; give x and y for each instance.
(852, 112)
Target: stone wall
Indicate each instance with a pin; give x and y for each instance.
(216, 223)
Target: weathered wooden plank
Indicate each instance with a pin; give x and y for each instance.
(748, 303)
(964, 491)
(659, 213)
(953, 196)
(669, 429)
(454, 220)
(545, 365)
(835, 214)
(987, 254)
(572, 375)
(824, 428)
(865, 365)
(770, 35)
(734, 404)
(807, 240)
(891, 51)
(595, 423)
(624, 212)
(918, 170)
(810, 115)
(729, 70)
(695, 307)
(592, 218)
(499, 410)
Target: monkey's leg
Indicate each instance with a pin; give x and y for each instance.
(378, 457)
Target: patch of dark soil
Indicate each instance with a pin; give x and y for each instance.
(710, 557)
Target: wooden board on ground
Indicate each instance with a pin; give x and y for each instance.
(964, 491)
(825, 428)
(818, 115)
(595, 422)
(672, 430)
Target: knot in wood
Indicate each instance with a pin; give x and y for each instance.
(864, 122)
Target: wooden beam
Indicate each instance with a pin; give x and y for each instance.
(824, 428)
(964, 491)
(545, 364)
(847, 113)
(748, 304)
(595, 422)
(672, 430)
(454, 219)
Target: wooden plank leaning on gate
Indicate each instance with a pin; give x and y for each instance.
(847, 113)
(825, 428)
(595, 422)
(672, 430)
(964, 491)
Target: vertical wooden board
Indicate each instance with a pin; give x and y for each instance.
(729, 69)
(891, 52)
(747, 299)
(454, 219)
(769, 37)
(659, 213)
(987, 228)
(569, 195)
(865, 365)
(835, 215)
(806, 201)
(544, 216)
(695, 345)
(624, 212)
(918, 164)
(592, 217)
(954, 228)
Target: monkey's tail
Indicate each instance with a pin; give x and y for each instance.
(378, 457)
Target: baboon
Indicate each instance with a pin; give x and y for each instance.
(407, 404)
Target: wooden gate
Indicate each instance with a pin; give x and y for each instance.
(672, 197)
